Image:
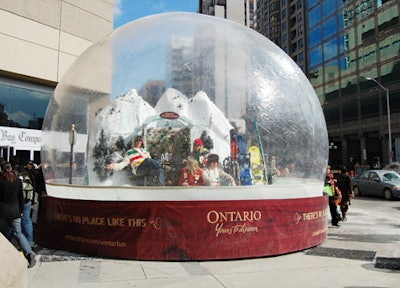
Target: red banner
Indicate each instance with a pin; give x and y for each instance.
(183, 230)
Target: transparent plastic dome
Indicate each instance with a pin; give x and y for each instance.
(173, 78)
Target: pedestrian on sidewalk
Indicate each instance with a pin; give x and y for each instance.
(26, 220)
(344, 185)
(11, 207)
(333, 192)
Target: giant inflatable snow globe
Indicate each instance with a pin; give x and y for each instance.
(235, 132)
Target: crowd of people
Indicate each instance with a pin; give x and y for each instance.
(340, 194)
(21, 188)
(200, 168)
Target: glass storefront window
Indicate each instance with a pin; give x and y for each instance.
(23, 104)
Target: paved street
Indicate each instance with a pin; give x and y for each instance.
(350, 257)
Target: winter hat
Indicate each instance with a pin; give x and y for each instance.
(138, 138)
(212, 158)
(198, 141)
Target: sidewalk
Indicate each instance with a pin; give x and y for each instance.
(360, 253)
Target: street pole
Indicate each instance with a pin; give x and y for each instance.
(71, 156)
(388, 115)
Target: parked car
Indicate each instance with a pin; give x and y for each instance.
(384, 183)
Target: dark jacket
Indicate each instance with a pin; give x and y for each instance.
(11, 198)
(344, 184)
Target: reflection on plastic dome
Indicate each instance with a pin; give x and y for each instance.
(214, 104)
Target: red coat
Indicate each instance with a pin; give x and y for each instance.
(195, 179)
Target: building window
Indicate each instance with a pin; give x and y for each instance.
(311, 3)
(332, 115)
(300, 43)
(350, 111)
(330, 49)
(299, 4)
(23, 104)
(299, 17)
(301, 57)
(369, 107)
(314, 36)
(315, 56)
(300, 29)
(329, 27)
(328, 8)
(314, 16)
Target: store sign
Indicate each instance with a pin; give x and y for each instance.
(20, 138)
(169, 115)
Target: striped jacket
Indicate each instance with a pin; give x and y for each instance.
(133, 157)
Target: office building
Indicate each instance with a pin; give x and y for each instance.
(240, 11)
(283, 22)
(350, 52)
(39, 41)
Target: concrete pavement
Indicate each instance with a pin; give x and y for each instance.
(363, 252)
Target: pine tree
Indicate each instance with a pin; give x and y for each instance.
(120, 144)
(100, 153)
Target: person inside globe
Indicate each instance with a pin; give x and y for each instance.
(191, 174)
(215, 176)
(141, 163)
(199, 152)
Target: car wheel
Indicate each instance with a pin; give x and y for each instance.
(356, 191)
(387, 194)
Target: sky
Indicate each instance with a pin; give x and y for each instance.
(128, 10)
